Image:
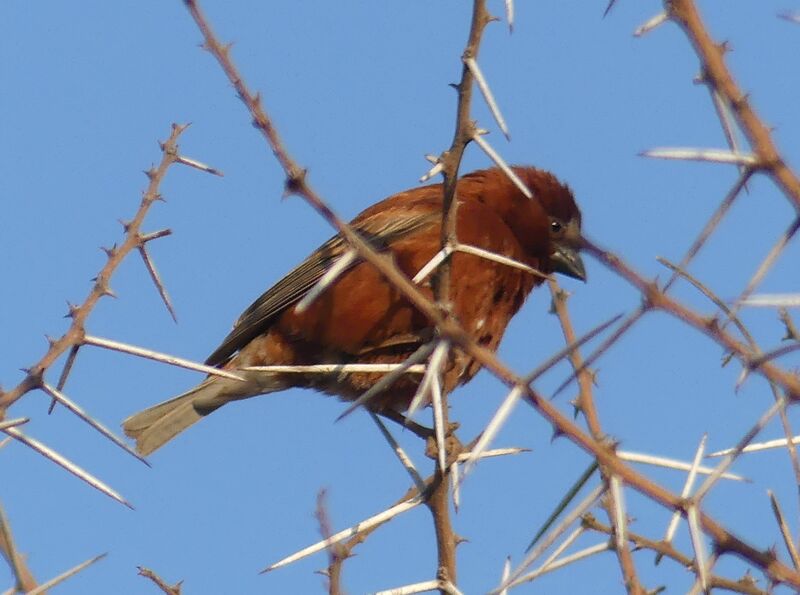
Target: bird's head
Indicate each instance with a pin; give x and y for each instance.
(548, 226)
(564, 221)
(566, 243)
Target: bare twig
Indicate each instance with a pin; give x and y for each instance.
(792, 334)
(336, 553)
(79, 314)
(667, 550)
(25, 580)
(159, 582)
(716, 73)
(296, 183)
(613, 503)
(658, 299)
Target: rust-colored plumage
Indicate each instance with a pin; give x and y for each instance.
(361, 318)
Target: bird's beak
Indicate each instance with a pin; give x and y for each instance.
(567, 261)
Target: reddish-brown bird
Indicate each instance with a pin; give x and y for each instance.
(361, 318)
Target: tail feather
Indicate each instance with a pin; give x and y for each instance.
(157, 425)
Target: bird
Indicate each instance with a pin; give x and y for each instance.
(361, 318)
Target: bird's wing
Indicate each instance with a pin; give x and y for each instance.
(257, 318)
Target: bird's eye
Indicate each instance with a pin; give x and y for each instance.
(556, 226)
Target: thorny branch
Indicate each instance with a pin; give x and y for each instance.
(297, 184)
(587, 407)
(657, 299)
(663, 548)
(439, 500)
(768, 160)
(159, 582)
(25, 581)
(134, 239)
(337, 553)
(716, 73)
(71, 341)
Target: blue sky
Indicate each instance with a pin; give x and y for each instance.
(359, 92)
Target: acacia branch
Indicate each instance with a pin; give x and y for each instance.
(656, 298)
(586, 404)
(439, 500)
(666, 549)
(716, 74)
(116, 254)
(296, 183)
(159, 582)
(25, 581)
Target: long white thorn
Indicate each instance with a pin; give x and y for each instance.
(699, 547)
(510, 15)
(635, 457)
(687, 488)
(157, 356)
(405, 460)
(67, 465)
(64, 576)
(483, 85)
(746, 439)
(501, 163)
(364, 525)
(456, 485)
(432, 369)
(338, 368)
(495, 257)
(620, 515)
(412, 589)
(654, 22)
(769, 444)
(77, 410)
(333, 273)
(436, 371)
(493, 427)
(711, 155)
(13, 423)
(437, 168)
(772, 300)
(545, 543)
(431, 265)
(560, 563)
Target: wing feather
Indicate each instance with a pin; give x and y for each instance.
(257, 318)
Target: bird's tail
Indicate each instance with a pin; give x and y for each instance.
(157, 425)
